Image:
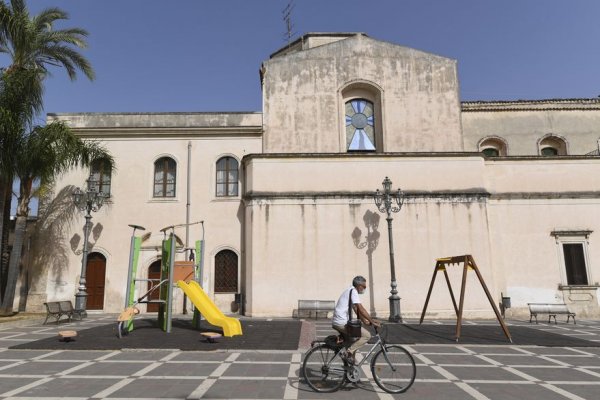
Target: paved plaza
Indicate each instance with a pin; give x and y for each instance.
(454, 371)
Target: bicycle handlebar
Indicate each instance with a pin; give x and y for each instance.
(378, 329)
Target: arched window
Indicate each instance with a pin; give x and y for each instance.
(226, 272)
(360, 125)
(100, 174)
(552, 145)
(490, 152)
(227, 177)
(361, 117)
(165, 176)
(493, 146)
(549, 151)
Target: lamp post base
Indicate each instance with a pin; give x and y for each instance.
(395, 315)
(80, 304)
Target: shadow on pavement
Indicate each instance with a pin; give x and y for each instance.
(480, 334)
(258, 335)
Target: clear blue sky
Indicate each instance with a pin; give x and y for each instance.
(196, 55)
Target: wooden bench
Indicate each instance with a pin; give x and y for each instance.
(316, 306)
(56, 309)
(551, 309)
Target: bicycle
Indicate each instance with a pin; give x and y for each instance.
(326, 368)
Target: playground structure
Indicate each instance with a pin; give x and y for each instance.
(185, 273)
(231, 326)
(468, 265)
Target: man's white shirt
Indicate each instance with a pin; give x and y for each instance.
(340, 314)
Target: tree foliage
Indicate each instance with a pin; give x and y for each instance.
(32, 42)
(30, 153)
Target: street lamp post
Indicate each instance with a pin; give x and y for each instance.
(391, 202)
(88, 201)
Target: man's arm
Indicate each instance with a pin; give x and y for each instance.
(364, 315)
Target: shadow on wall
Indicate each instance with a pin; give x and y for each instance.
(371, 221)
(76, 241)
(49, 251)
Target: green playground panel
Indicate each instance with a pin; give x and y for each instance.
(137, 244)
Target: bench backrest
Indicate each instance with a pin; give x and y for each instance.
(65, 306)
(52, 307)
(316, 304)
(548, 308)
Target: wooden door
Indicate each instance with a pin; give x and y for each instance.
(153, 273)
(95, 276)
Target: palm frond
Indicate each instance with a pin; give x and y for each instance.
(18, 6)
(73, 36)
(53, 149)
(69, 59)
(46, 18)
(34, 41)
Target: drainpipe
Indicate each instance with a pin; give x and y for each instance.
(187, 210)
(187, 204)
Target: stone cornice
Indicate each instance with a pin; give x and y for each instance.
(592, 104)
(464, 196)
(150, 132)
(365, 156)
(304, 156)
(563, 233)
(545, 195)
(541, 158)
(410, 196)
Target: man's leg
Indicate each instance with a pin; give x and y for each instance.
(341, 329)
(364, 338)
(342, 333)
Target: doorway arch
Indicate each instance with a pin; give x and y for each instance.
(95, 281)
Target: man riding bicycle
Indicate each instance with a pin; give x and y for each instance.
(341, 317)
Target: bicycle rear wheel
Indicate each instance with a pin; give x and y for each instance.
(323, 369)
(394, 369)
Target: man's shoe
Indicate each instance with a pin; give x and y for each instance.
(350, 358)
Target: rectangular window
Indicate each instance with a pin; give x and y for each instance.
(100, 175)
(165, 176)
(575, 264)
(227, 177)
(573, 250)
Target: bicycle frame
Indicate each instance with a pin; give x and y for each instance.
(379, 343)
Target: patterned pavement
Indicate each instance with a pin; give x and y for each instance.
(443, 371)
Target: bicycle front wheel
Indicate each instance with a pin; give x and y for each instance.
(323, 369)
(393, 369)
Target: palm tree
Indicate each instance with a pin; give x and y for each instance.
(34, 45)
(20, 98)
(45, 153)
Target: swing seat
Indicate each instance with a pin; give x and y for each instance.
(67, 336)
(128, 314)
(211, 337)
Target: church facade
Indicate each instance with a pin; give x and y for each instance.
(286, 194)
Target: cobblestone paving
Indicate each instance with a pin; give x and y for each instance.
(443, 371)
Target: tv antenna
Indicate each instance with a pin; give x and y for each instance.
(287, 18)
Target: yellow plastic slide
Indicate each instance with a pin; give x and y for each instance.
(231, 326)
